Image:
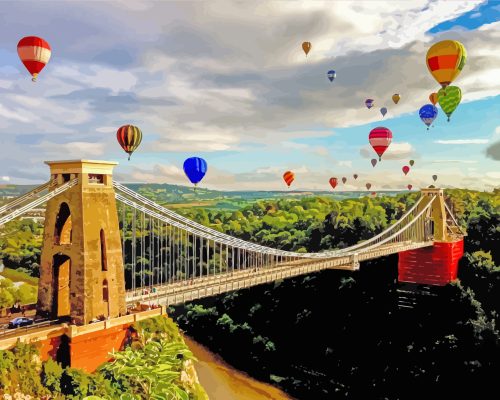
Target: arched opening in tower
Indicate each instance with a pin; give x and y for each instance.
(63, 228)
(61, 305)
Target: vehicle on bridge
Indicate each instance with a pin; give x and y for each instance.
(20, 321)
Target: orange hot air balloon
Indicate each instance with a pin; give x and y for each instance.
(395, 98)
(306, 46)
(433, 97)
(333, 182)
(35, 53)
(288, 177)
(445, 61)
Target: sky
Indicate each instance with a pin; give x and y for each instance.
(228, 81)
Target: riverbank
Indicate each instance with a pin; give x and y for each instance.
(222, 382)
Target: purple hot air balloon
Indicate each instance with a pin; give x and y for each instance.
(374, 162)
(369, 103)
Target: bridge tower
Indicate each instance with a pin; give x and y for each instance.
(436, 265)
(81, 269)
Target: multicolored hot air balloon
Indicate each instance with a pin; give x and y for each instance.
(288, 177)
(449, 99)
(380, 138)
(411, 162)
(406, 169)
(374, 162)
(383, 111)
(368, 186)
(445, 61)
(434, 177)
(333, 182)
(195, 169)
(332, 75)
(344, 180)
(129, 137)
(428, 114)
(395, 98)
(355, 176)
(306, 46)
(410, 186)
(369, 103)
(35, 53)
(433, 97)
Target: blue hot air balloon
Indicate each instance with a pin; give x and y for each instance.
(332, 75)
(428, 114)
(383, 111)
(195, 169)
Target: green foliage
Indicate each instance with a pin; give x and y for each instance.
(51, 376)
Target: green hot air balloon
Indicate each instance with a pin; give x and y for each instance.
(449, 99)
(411, 163)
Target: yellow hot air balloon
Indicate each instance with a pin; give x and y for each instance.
(445, 61)
(306, 46)
(395, 98)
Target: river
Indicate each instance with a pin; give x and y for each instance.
(222, 382)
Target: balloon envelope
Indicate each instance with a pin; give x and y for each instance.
(411, 163)
(369, 103)
(344, 179)
(428, 114)
(333, 182)
(332, 75)
(374, 162)
(395, 98)
(306, 46)
(383, 111)
(410, 187)
(129, 137)
(433, 97)
(34, 53)
(288, 177)
(356, 175)
(449, 99)
(195, 169)
(434, 177)
(380, 138)
(368, 186)
(445, 61)
(406, 169)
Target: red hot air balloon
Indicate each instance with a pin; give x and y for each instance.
(288, 177)
(344, 180)
(374, 194)
(406, 169)
(368, 186)
(333, 182)
(409, 187)
(380, 138)
(35, 53)
(129, 137)
(355, 176)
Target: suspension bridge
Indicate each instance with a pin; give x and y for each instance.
(95, 226)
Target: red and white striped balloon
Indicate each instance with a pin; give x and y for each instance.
(35, 53)
(380, 138)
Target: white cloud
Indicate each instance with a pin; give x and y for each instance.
(396, 151)
(5, 178)
(454, 162)
(72, 149)
(347, 164)
(463, 141)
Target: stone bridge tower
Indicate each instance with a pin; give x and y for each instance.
(81, 269)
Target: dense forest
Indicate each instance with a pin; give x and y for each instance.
(339, 333)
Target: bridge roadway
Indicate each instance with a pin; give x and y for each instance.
(210, 285)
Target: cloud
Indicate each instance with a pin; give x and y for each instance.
(5, 178)
(454, 162)
(396, 151)
(462, 141)
(347, 164)
(72, 149)
(493, 151)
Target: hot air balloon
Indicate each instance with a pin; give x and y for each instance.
(395, 98)
(374, 194)
(368, 186)
(383, 111)
(288, 177)
(406, 169)
(434, 177)
(344, 180)
(374, 162)
(409, 186)
(306, 46)
(428, 114)
(445, 61)
(369, 103)
(411, 163)
(35, 53)
(449, 99)
(433, 97)
(129, 137)
(195, 169)
(333, 182)
(380, 138)
(356, 175)
(332, 75)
